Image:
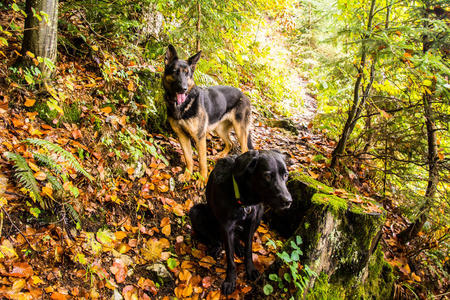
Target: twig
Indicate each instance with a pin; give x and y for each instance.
(17, 228)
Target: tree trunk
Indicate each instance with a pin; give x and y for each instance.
(40, 37)
(358, 103)
(340, 243)
(199, 11)
(433, 175)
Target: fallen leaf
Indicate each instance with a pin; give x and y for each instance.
(207, 262)
(21, 270)
(29, 102)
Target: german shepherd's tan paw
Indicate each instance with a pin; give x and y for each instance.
(186, 176)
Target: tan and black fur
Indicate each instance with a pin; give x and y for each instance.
(194, 111)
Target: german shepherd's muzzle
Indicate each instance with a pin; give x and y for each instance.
(194, 111)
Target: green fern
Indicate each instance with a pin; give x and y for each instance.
(26, 178)
(73, 213)
(60, 151)
(48, 162)
(54, 182)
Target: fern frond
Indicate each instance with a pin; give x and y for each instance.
(48, 162)
(25, 176)
(205, 79)
(60, 151)
(54, 182)
(73, 213)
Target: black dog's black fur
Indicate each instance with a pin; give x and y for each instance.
(194, 111)
(261, 178)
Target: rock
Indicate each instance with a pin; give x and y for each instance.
(340, 233)
(160, 271)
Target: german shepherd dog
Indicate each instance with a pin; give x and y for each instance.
(194, 111)
(237, 189)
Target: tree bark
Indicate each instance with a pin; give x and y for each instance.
(199, 11)
(358, 102)
(40, 37)
(433, 174)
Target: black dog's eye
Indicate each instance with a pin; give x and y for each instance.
(285, 176)
(268, 177)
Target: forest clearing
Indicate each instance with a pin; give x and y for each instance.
(95, 186)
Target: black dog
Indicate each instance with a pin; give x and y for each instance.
(194, 111)
(236, 191)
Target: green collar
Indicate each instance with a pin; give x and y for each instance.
(237, 195)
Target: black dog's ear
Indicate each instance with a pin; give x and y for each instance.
(192, 61)
(171, 55)
(245, 164)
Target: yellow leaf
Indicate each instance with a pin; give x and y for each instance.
(406, 54)
(18, 285)
(427, 82)
(207, 262)
(30, 54)
(123, 248)
(36, 280)
(7, 249)
(130, 86)
(120, 235)
(30, 102)
(415, 277)
(106, 109)
(152, 251)
(95, 47)
(33, 167)
(166, 230)
(47, 191)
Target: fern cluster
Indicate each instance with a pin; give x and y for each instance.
(25, 175)
(73, 162)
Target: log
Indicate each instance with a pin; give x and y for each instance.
(340, 256)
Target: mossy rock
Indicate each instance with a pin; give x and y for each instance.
(72, 113)
(340, 233)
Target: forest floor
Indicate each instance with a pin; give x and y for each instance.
(134, 239)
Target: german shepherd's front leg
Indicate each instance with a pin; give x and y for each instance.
(202, 161)
(185, 142)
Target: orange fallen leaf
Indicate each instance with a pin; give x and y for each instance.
(21, 270)
(58, 296)
(106, 109)
(184, 275)
(207, 262)
(30, 102)
(166, 230)
(40, 176)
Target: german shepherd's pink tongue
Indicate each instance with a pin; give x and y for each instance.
(181, 98)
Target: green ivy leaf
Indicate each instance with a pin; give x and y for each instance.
(171, 263)
(268, 289)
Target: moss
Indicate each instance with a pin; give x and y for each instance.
(317, 186)
(337, 205)
(72, 113)
(323, 290)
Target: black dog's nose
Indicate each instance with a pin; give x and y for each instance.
(286, 200)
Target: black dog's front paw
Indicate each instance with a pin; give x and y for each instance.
(228, 287)
(253, 274)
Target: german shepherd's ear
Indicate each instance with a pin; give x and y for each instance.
(171, 55)
(245, 165)
(192, 61)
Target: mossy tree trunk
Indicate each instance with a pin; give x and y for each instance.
(40, 36)
(340, 233)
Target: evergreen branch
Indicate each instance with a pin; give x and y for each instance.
(25, 176)
(73, 162)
